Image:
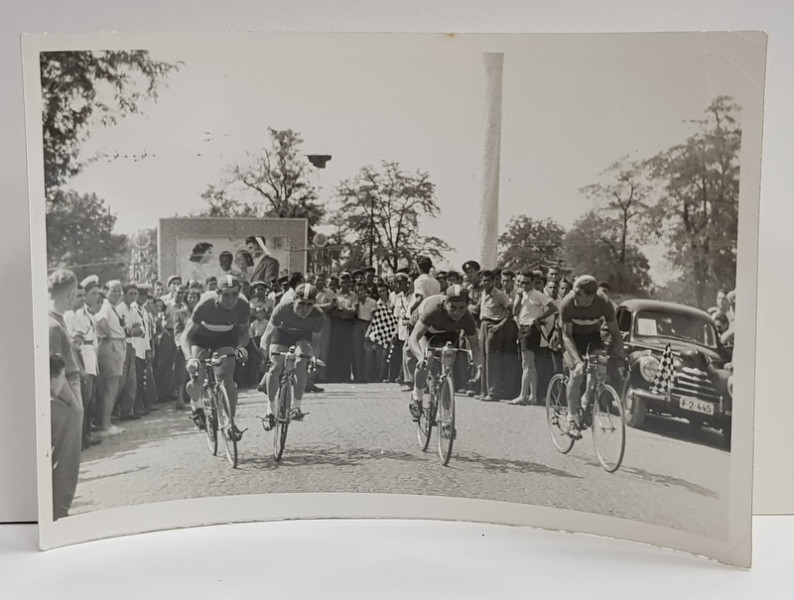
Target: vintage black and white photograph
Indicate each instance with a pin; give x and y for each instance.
(444, 276)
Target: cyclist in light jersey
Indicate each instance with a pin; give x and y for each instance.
(298, 323)
(440, 319)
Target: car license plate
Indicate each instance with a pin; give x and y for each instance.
(696, 405)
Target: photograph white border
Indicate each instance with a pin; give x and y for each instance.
(135, 519)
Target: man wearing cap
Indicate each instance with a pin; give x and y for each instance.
(471, 269)
(299, 324)
(340, 360)
(582, 313)
(267, 267)
(218, 325)
(439, 320)
(66, 408)
(363, 348)
(82, 330)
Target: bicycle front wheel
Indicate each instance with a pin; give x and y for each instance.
(229, 440)
(283, 407)
(557, 414)
(609, 428)
(211, 420)
(446, 420)
(427, 416)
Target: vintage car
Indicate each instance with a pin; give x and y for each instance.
(698, 384)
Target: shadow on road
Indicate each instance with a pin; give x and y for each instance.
(339, 457)
(507, 465)
(668, 480)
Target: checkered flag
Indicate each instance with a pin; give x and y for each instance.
(663, 381)
(383, 326)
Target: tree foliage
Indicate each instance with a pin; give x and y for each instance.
(697, 214)
(80, 237)
(381, 209)
(83, 88)
(527, 240)
(594, 246)
(272, 183)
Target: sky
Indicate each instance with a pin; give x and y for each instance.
(572, 105)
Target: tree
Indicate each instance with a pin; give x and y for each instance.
(593, 246)
(82, 88)
(527, 240)
(80, 237)
(697, 214)
(620, 200)
(276, 181)
(378, 221)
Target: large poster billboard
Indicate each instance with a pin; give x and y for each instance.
(192, 247)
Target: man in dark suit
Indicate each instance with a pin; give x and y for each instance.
(266, 268)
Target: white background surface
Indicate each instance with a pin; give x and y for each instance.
(371, 553)
(384, 559)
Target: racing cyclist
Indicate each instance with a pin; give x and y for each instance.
(438, 320)
(218, 325)
(582, 312)
(298, 323)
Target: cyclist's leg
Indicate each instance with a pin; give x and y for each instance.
(224, 373)
(304, 352)
(574, 386)
(273, 374)
(420, 372)
(195, 383)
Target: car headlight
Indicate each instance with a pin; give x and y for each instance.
(730, 386)
(649, 367)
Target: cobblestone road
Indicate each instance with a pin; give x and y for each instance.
(361, 439)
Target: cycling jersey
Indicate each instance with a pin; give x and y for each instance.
(289, 328)
(432, 314)
(586, 319)
(219, 328)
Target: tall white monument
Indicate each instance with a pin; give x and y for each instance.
(492, 130)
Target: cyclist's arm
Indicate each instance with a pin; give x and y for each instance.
(191, 329)
(413, 342)
(267, 336)
(567, 340)
(550, 310)
(316, 343)
(243, 335)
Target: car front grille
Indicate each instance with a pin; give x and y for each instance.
(694, 383)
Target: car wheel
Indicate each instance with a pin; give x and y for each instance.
(635, 406)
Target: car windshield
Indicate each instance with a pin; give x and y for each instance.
(676, 326)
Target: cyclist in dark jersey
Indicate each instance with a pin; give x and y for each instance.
(438, 320)
(298, 323)
(582, 313)
(218, 325)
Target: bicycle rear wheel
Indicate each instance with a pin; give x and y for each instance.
(229, 442)
(609, 428)
(211, 420)
(445, 420)
(557, 414)
(284, 405)
(425, 429)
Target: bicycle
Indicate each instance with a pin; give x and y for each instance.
(602, 412)
(441, 414)
(286, 391)
(214, 399)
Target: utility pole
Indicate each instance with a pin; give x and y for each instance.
(489, 199)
